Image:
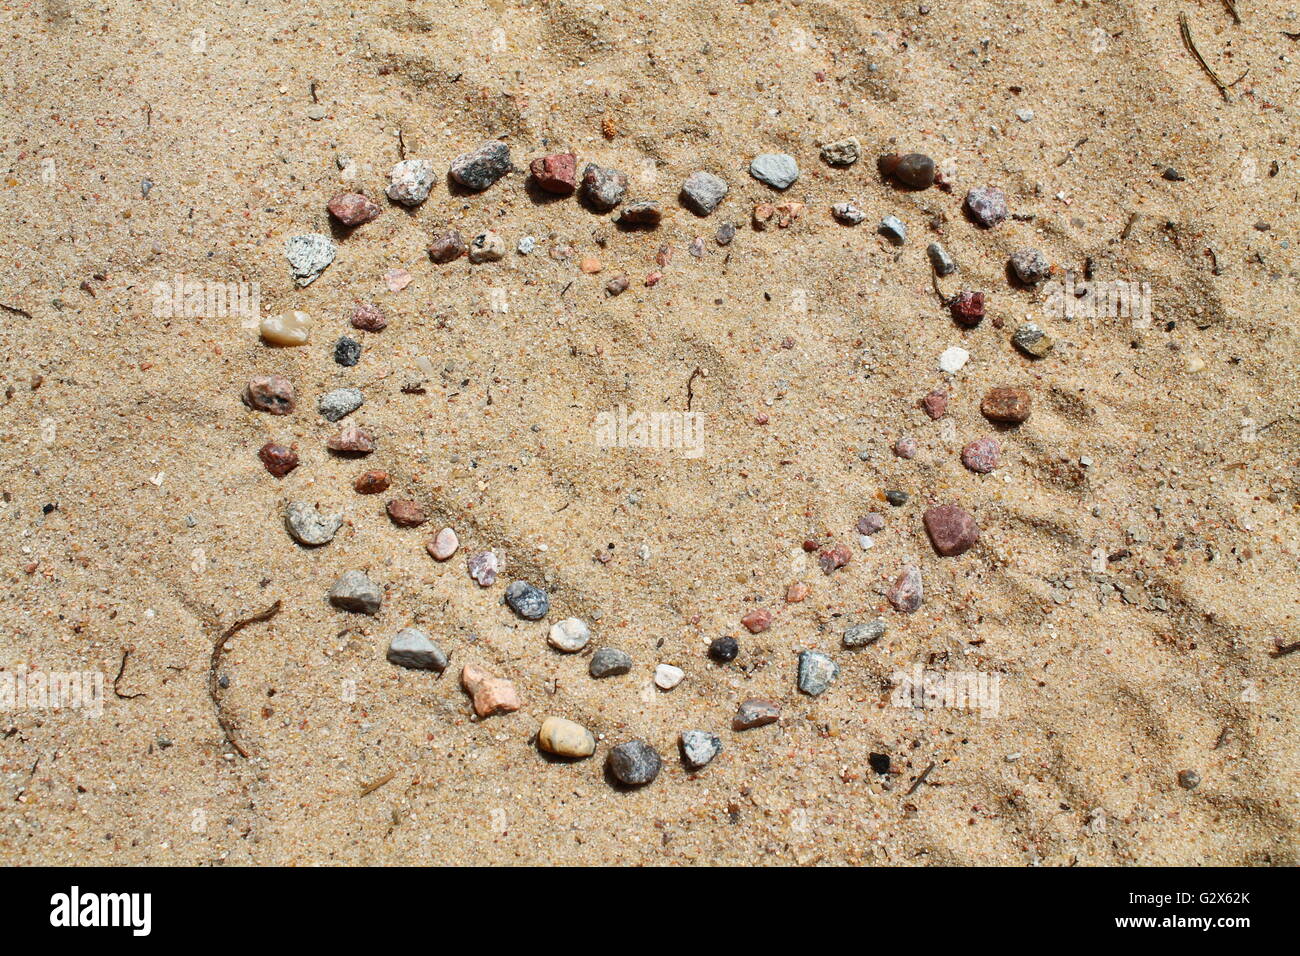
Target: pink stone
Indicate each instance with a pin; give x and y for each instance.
(443, 545)
(935, 404)
(834, 557)
(757, 621)
(397, 279)
(952, 530)
(491, 695)
(483, 568)
(906, 594)
(870, 524)
(272, 394)
(368, 317)
(556, 173)
(351, 440)
(905, 447)
(353, 209)
(981, 455)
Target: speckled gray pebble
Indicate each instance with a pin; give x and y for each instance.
(778, 170)
(942, 263)
(309, 254)
(482, 167)
(339, 403)
(609, 662)
(347, 352)
(1030, 265)
(308, 526)
(354, 591)
(848, 213)
(602, 188)
(860, 635)
(412, 648)
(702, 192)
(816, 672)
(410, 181)
(634, 763)
(987, 205)
(699, 747)
(530, 603)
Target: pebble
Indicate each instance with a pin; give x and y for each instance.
(816, 672)
(526, 245)
(906, 593)
(951, 529)
(871, 523)
(953, 358)
(412, 648)
(529, 602)
(667, 676)
(347, 352)
(369, 317)
(905, 447)
(755, 712)
(915, 170)
(696, 248)
(724, 649)
(279, 460)
(565, 738)
(757, 621)
(699, 747)
(490, 695)
(293, 328)
(1030, 266)
(486, 247)
(339, 403)
(1173, 175)
(833, 558)
(354, 591)
(483, 568)
(570, 635)
(641, 212)
(942, 263)
(556, 173)
(702, 192)
(796, 592)
(726, 232)
(634, 763)
(1025, 115)
(842, 152)
(1189, 779)
(480, 168)
(778, 170)
(308, 526)
(896, 498)
(353, 209)
(410, 181)
(616, 286)
(1032, 340)
(847, 213)
(609, 662)
(968, 308)
(371, 482)
(981, 455)
(603, 188)
(589, 266)
(860, 635)
(351, 440)
(444, 545)
(935, 404)
(406, 513)
(893, 229)
(1009, 405)
(447, 247)
(987, 206)
(309, 255)
(272, 394)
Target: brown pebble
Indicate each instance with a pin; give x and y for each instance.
(278, 459)
(935, 404)
(796, 592)
(757, 621)
(590, 266)
(616, 285)
(951, 529)
(272, 394)
(406, 513)
(447, 247)
(755, 712)
(834, 557)
(353, 209)
(915, 170)
(968, 308)
(371, 482)
(1011, 405)
(368, 317)
(351, 440)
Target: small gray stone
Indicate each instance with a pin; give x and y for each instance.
(843, 152)
(603, 188)
(410, 181)
(699, 747)
(726, 232)
(778, 170)
(987, 205)
(308, 526)
(1032, 340)
(309, 254)
(486, 247)
(860, 635)
(892, 228)
(848, 213)
(907, 592)
(482, 167)
(347, 352)
(339, 403)
(816, 672)
(702, 192)
(528, 602)
(610, 662)
(413, 648)
(942, 263)
(634, 763)
(354, 591)
(1030, 265)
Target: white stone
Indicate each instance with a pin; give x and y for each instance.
(667, 676)
(952, 360)
(570, 635)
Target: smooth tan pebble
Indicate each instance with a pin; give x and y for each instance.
(565, 738)
(294, 328)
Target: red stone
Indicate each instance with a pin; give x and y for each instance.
(981, 455)
(951, 529)
(278, 459)
(371, 482)
(906, 594)
(968, 308)
(935, 404)
(834, 557)
(353, 209)
(368, 317)
(406, 513)
(757, 621)
(556, 173)
(1011, 405)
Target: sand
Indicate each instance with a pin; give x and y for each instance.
(166, 529)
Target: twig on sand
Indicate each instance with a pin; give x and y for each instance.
(15, 310)
(368, 788)
(1232, 9)
(919, 780)
(1186, 32)
(228, 726)
(126, 652)
(690, 387)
